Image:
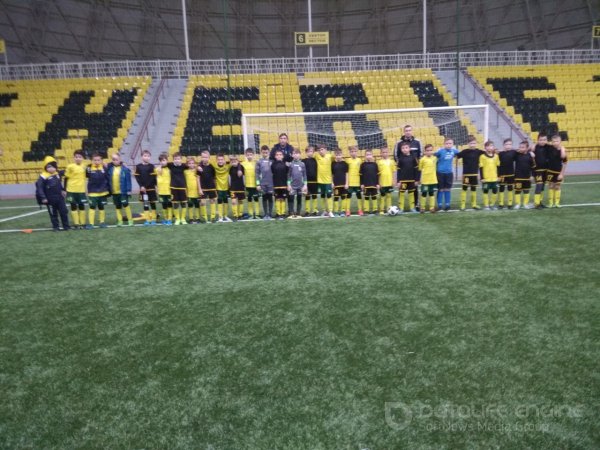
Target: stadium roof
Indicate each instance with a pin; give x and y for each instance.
(38, 31)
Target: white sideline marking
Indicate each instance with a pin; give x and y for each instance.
(21, 215)
(572, 205)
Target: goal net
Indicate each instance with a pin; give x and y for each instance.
(367, 129)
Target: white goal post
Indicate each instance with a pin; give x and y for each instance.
(366, 128)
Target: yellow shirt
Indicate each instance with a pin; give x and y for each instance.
(163, 181)
(324, 168)
(75, 175)
(116, 183)
(489, 166)
(386, 172)
(428, 166)
(222, 176)
(191, 183)
(354, 171)
(249, 173)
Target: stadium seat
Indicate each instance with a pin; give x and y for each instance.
(55, 117)
(549, 98)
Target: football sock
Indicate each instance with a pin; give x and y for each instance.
(81, 217)
(128, 212)
(486, 199)
(91, 216)
(447, 198)
(463, 199)
(526, 196)
(102, 216)
(494, 198)
(557, 197)
(551, 197)
(75, 217)
(537, 198)
(431, 201)
(203, 212)
(411, 200)
(401, 200)
(440, 196)
(330, 204)
(511, 198)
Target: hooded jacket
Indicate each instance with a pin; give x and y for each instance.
(49, 186)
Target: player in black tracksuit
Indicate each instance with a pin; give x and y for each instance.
(470, 159)
(506, 173)
(49, 191)
(145, 175)
(524, 168)
(369, 182)
(541, 168)
(310, 163)
(407, 176)
(279, 169)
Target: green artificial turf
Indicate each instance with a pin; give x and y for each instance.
(472, 330)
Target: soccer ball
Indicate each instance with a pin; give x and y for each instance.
(393, 211)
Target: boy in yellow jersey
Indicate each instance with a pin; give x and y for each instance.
(249, 166)
(354, 163)
(489, 163)
(98, 187)
(163, 186)
(192, 190)
(429, 182)
(386, 180)
(222, 175)
(557, 164)
(75, 187)
(324, 179)
(119, 181)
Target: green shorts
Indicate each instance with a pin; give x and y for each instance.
(97, 201)
(222, 196)
(76, 198)
(493, 185)
(354, 190)
(385, 190)
(428, 188)
(325, 189)
(120, 200)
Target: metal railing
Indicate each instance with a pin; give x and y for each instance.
(152, 108)
(183, 69)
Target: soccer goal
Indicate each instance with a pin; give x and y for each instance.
(367, 129)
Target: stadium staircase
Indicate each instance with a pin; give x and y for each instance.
(501, 125)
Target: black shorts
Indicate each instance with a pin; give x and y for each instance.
(152, 198)
(194, 202)
(281, 193)
(470, 180)
(370, 192)
(238, 195)
(340, 191)
(252, 193)
(428, 188)
(178, 195)
(211, 194)
(120, 200)
(165, 199)
(506, 180)
(522, 185)
(540, 176)
(445, 180)
(312, 188)
(76, 198)
(407, 185)
(552, 177)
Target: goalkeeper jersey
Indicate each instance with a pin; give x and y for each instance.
(489, 167)
(324, 168)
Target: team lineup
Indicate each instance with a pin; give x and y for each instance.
(202, 191)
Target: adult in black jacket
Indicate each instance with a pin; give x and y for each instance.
(285, 148)
(415, 150)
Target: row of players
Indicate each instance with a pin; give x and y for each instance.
(201, 192)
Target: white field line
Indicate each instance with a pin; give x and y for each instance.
(572, 205)
(22, 215)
